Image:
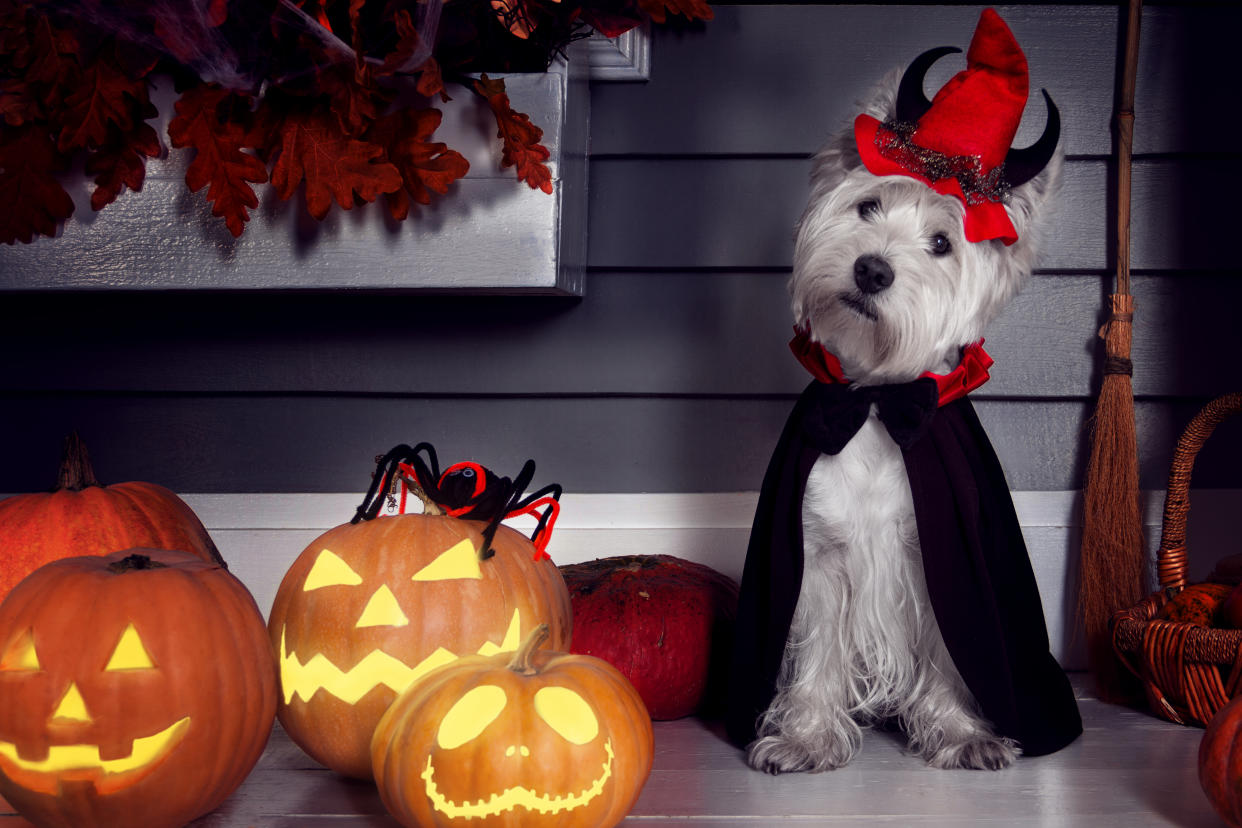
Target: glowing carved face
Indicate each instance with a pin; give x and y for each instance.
(369, 608)
(565, 713)
(82, 761)
(304, 679)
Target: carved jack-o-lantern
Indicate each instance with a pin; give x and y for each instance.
(535, 738)
(135, 688)
(368, 608)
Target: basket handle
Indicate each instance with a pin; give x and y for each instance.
(1171, 557)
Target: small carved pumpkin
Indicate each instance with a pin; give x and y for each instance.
(135, 688)
(535, 738)
(81, 516)
(369, 607)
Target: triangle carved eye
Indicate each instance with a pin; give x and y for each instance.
(20, 654)
(459, 561)
(129, 654)
(330, 570)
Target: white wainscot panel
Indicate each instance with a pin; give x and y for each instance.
(261, 534)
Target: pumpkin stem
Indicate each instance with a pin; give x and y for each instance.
(75, 473)
(430, 507)
(522, 661)
(136, 561)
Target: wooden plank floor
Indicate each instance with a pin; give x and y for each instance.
(1128, 769)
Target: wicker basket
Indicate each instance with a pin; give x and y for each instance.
(1188, 671)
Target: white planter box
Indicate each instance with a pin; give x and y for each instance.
(490, 233)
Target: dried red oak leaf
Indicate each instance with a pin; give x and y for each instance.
(32, 201)
(121, 163)
(658, 10)
(521, 147)
(425, 166)
(219, 160)
(18, 104)
(52, 61)
(105, 99)
(351, 96)
(15, 34)
(311, 148)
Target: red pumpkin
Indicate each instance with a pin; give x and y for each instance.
(523, 740)
(81, 516)
(135, 688)
(369, 607)
(1196, 604)
(662, 621)
(1220, 762)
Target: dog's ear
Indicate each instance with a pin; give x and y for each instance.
(840, 155)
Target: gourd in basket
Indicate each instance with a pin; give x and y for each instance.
(1189, 670)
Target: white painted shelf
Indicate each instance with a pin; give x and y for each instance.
(1128, 770)
(490, 232)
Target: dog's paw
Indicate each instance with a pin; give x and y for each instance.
(979, 753)
(775, 754)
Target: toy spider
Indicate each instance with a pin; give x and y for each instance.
(464, 490)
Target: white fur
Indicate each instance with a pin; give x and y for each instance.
(864, 647)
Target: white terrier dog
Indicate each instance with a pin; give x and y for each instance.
(887, 279)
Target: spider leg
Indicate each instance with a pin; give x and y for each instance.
(552, 490)
(389, 466)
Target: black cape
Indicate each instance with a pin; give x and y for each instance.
(982, 589)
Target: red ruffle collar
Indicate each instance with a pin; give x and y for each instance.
(969, 374)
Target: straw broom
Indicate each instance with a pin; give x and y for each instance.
(1112, 555)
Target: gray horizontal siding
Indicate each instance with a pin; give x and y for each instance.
(672, 373)
(637, 333)
(740, 212)
(777, 79)
(275, 443)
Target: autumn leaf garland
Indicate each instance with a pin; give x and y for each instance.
(328, 119)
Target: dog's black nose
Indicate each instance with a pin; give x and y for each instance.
(872, 274)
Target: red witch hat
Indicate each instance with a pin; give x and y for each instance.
(959, 142)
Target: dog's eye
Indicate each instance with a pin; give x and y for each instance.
(867, 209)
(940, 245)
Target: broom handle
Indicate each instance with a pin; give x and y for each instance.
(1125, 136)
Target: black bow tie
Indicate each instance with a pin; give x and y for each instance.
(839, 411)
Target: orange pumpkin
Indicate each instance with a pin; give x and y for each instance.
(1220, 762)
(369, 607)
(524, 740)
(81, 516)
(136, 687)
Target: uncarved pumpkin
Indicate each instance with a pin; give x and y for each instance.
(1220, 762)
(369, 607)
(524, 740)
(135, 688)
(1197, 604)
(664, 622)
(81, 516)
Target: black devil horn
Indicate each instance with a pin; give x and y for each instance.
(1021, 165)
(912, 101)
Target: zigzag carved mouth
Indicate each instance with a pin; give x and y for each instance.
(377, 668)
(516, 797)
